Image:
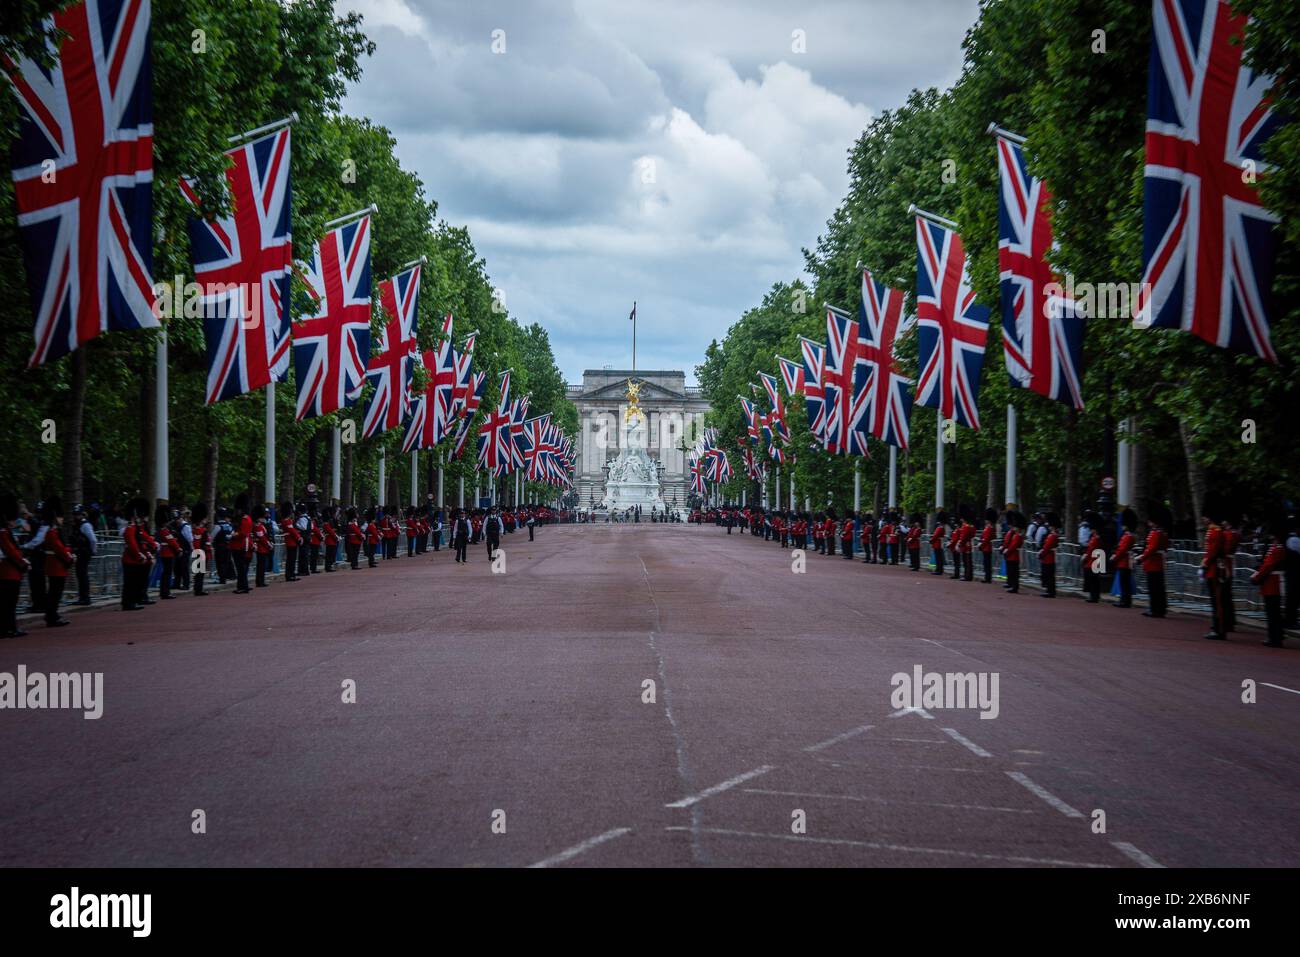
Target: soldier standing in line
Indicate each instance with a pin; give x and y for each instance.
(33, 545)
(373, 537)
(1268, 577)
(1211, 570)
(986, 543)
(241, 543)
(914, 542)
(136, 557)
(329, 536)
(58, 559)
(315, 539)
(13, 565)
(1094, 555)
(202, 544)
(292, 541)
(846, 534)
(828, 531)
(303, 526)
(936, 541)
(967, 546)
(1152, 561)
(1123, 559)
(1047, 555)
(168, 550)
(354, 539)
(1011, 551)
(263, 546)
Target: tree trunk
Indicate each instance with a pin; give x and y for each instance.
(991, 492)
(148, 425)
(1139, 467)
(287, 476)
(1071, 519)
(72, 430)
(210, 456)
(1195, 471)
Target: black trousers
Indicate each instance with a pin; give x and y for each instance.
(830, 545)
(846, 548)
(241, 570)
(291, 562)
(83, 579)
(225, 568)
(1273, 613)
(313, 557)
(435, 538)
(165, 579)
(461, 544)
(968, 566)
(200, 579)
(370, 554)
(988, 566)
(916, 559)
(492, 545)
(353, 553)
(1125, 587)
(53, 595)
(1229, 609)
(1048, 574)
(1291, 617)
(1159, 603)
(36, 584)
(135, 580)
(181, 570)
(1013, 576)
(1092, 582)
(530, 533)
(410, 546)
(956, 565)
(938, 560)
(304, 560)
(8, 606)
(1216, 606)
(263, 564)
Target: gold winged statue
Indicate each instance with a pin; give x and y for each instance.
(633, 397)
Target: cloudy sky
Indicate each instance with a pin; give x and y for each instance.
(676, 152)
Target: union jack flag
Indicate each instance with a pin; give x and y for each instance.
(845, 401)
(533, 444)
(814, 368)
(473, 398)
(753, 420)
(464, 385)
(331, 348)
(393, 367)
(951, 326)
(518, 413)
(87, 221)
(697, 474)
(792, 373)
(887, 396)
(1207, 241)
(242, 262)
(776, 417)
(1042, 335)
(494, 435)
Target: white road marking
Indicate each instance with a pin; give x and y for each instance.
(1279, 687)
(921, 711)
(944, 852)
(719, 788)
(1045, 794)
(1142, 857)
(879, 800)
(917, 740)
(588, 844)
(838, 738)
(966, 742)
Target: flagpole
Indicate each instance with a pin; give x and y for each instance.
(857, 484)
(415, 476)
(269, 474)
(938, 463)
(460, 492)
(778, 488)
(1013, 437)
(634, 335)
(383, 462)
(372, 208)
(893, 476)
(267, 128)
(441, 503)
(336, 464)
(162, 476)
(932, 217)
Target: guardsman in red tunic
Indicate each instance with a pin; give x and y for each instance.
(391, 532)
(136, 557)
(1123, 559)
(373, 537)
(1047, 555)
(329, 536)
(354, 540)
(58, 559)
(412, 531)
(846, 537)
(150, 545)
(1211, 571)
(889, 537)
(315, 540)
(818, 541)
(1011, 550)
(1093, 558)
(241, 543)
(914, 542)
(263, 546)
(1268, 577)
(202, 544)
(966, 547)
(864, 538)
(1231, 539)
(986, 542)
(1152, 561)
(13, 566)
(828, 532)
(936, 541)
(292, 541)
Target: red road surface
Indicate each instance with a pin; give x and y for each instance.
(523, 693)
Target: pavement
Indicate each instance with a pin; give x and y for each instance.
(649, 695)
